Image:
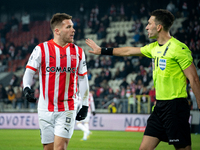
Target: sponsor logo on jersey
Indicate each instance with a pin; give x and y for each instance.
(73, 57)
(61, 69)
(68, 120)
(162, 64)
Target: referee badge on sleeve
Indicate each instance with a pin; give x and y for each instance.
(162, 64)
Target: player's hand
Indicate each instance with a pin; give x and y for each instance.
(29, 94)
(94, 46)
(82, 113)
(94, 113)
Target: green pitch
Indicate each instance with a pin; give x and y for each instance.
(98, 140)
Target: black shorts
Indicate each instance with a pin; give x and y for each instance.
(169, 122)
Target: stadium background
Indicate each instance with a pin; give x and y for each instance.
(110, 23)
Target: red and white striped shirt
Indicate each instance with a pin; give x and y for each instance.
(58, 68)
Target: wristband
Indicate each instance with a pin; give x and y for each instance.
(106, 51)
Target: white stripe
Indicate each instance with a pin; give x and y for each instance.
(67, 78)
(75, 75)
(56, 90)
(46, 48)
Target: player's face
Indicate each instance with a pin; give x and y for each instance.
(152, 28)
(67, 31)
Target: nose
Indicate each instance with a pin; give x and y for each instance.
(146, 27)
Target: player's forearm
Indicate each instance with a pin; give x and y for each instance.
(28, 78)
(84, 89)
(127, 51)
(195, 85)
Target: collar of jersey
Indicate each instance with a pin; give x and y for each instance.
(59, 45)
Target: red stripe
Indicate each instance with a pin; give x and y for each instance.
(31, 68)
(52, 75)
(62, 80)
(43, 69)
(72, 80)
(82, 74)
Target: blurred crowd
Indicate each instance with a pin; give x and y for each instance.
(98, 20)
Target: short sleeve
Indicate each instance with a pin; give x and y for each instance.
(82, 67)
(146, 50)
(183, 57)
(34, 59)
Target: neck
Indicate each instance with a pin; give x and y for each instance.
(163, 38)
(59, 42)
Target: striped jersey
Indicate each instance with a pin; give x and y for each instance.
(58, 69)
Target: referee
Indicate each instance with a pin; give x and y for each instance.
(172, 63)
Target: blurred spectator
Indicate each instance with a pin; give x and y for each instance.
(146, 79)
(18, 55)
(91, 63)
(105, 20)
(14, 80)
(122, 92)
(34, 40)
(152, 94)
(128, 67)
(110, 94)
(138, 77)
(3, 93)
(139, 86)
(11, 51)
(108, 74)
(122, 12)
(117, 75)
(10, 88)
(112, 108)
(25, 50)
(124, 83)
(113, 12)
(89, 74)
(132, 102)
(3, 32)
(97, 62)
(128, 91)
(171, 7)
(97, 80)
(19, 99)
(136, 37)
(25, 19)
(14, 24)
(82, 10)
(11, 98)
(101, 33)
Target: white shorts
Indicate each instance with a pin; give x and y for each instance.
(56, 123)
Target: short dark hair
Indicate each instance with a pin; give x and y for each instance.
(58, 18)
(163, 17)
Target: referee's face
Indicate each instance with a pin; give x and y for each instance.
(67, 31)
(152, 28)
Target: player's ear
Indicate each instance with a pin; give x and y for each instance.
(159, 27)
(57, 31)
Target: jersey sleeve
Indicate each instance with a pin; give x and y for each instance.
(34, 59)
(183, 57)
(82, 70)
(147, 50)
